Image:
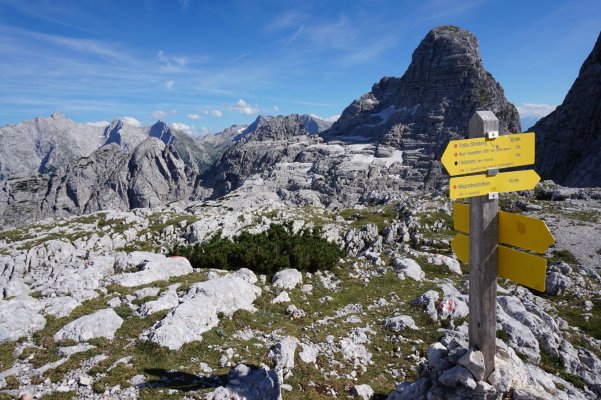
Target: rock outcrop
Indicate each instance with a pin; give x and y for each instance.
(568, 140)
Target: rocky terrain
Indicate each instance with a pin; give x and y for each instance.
(96, 302)
(92, 307)
(565, 137)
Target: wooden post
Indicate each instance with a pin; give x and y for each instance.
(484, 233)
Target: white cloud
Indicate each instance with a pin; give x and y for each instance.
(194, 116)
(214, 113)
(100, 124)
(131, 121)
(159, 114)
(169, 85)
(533, 110)
(333, 118)
(178, 126)
(245, 108)
(276, 108)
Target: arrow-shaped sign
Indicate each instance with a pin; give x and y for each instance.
(480, 185)
(523, 268)
(514, 230)
(468, 156)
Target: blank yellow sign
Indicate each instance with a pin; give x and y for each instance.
(515, 230)
(468, 156)
(480, 185)
(520, 267)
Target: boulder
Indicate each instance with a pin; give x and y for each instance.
(287, 279)
(102, 323)
(20, 317)
(408, 267)
(199, 309)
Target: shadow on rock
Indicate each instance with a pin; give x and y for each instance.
(183, 381)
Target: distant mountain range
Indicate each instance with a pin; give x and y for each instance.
(386, 144)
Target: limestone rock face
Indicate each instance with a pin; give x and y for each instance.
(110, 178)
(568, 140)
(45, 144)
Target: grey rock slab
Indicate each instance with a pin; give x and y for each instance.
(408, 267)
(59, 306)
(282, 353)
(457, 375)
(20, 317)
(451, 263)
(287, 279)
(363, 391)
(198, 311)
(102, 323)
(473, 361)
(428, 300)
(152, 271)
(166, 301)
(399, 323)
(70, 350)
(308, 353)
(246, 383)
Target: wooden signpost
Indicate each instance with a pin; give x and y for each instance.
(486, 152)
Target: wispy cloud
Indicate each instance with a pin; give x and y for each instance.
(99, 124)
(131, 121)
(178, 126)
(159, 114)
(194, 116)
(238, 58)
(214, 113)
(244, 108)
(170, 85)
(534, 110)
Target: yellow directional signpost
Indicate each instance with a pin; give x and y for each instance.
(486, 151)
(523, 268)
(514, 229)
(480, 185)
(481, 154)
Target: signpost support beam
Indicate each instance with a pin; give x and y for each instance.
(484, 231)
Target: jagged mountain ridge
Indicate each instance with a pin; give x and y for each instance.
(43, 145)
(568, 140)
(109, 179)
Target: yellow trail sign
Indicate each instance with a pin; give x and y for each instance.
(520, 267)
(480, 185)
(514, 230)
(468, 156)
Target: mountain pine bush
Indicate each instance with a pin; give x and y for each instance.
(264, 253)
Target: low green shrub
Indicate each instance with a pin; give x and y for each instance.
(264, 253)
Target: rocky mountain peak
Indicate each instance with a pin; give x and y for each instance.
(568, 140)
(429, 105)
(162, 131)
(58, 115)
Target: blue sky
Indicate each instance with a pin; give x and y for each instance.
(206, 65)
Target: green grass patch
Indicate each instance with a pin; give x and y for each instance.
(563, 255)
(554, 366)
(59, 396)
(380, 216)
(573, 315)
(6, 355)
